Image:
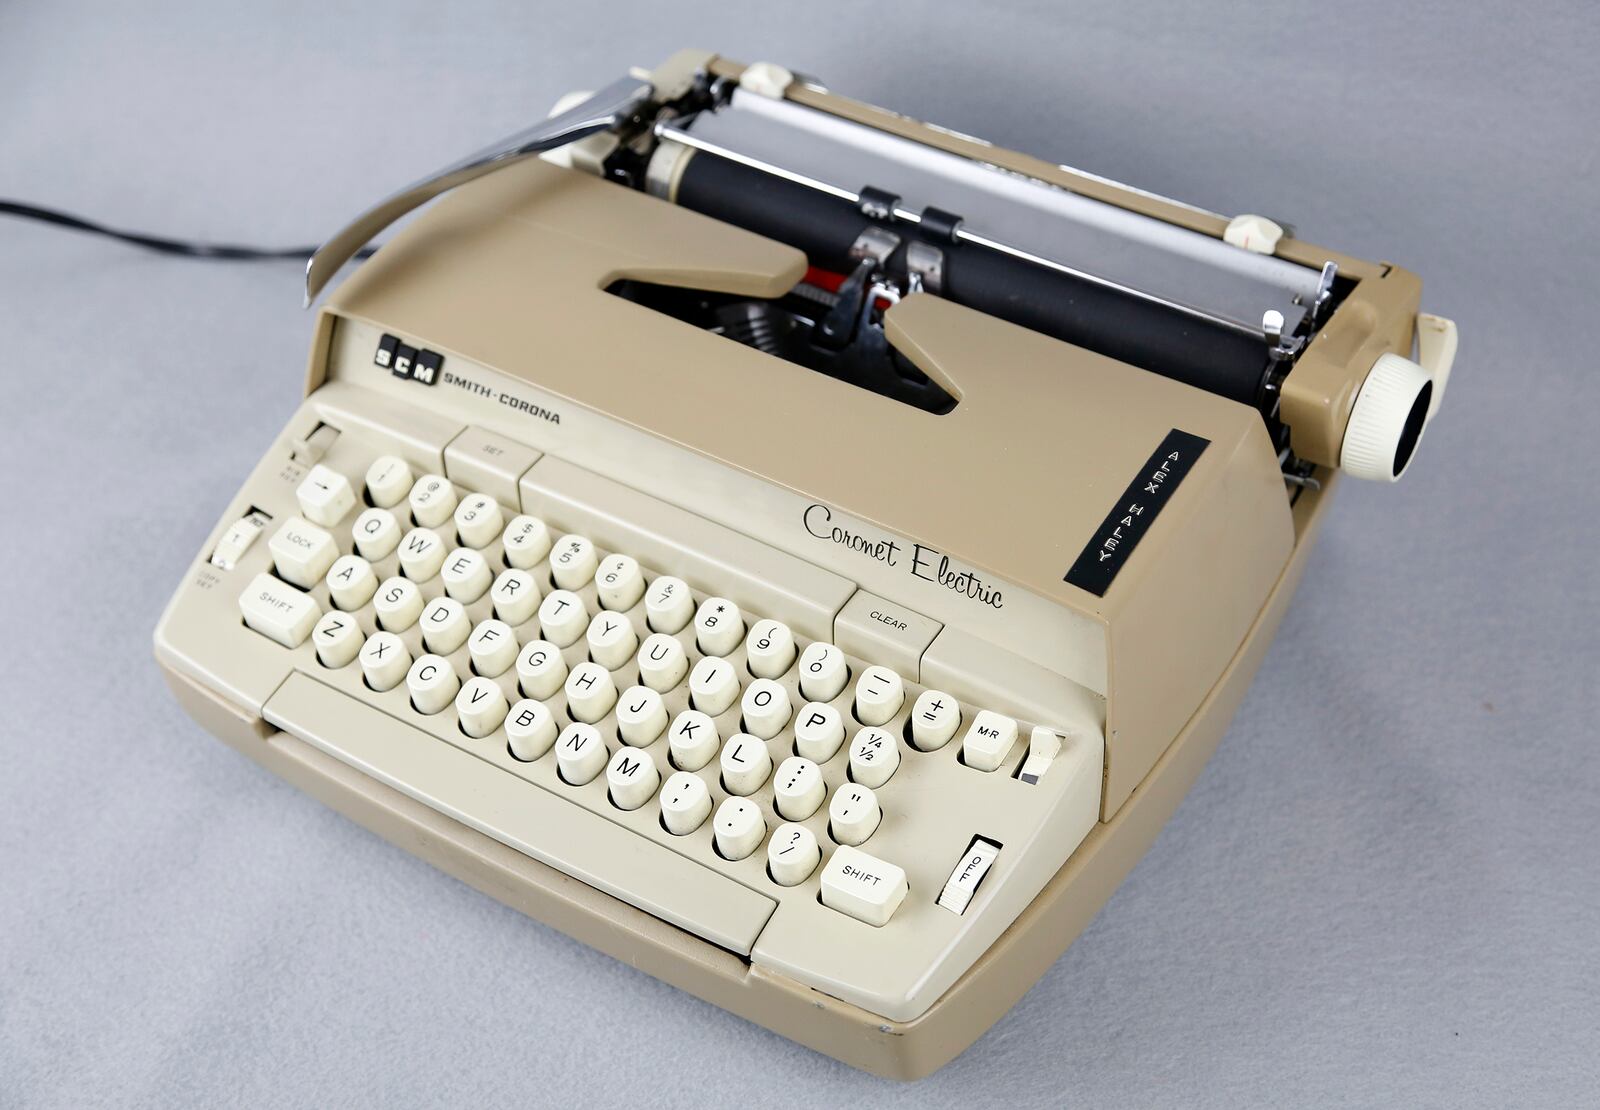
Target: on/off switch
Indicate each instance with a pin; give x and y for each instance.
(970, 869)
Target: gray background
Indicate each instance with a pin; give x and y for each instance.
(1381, 891)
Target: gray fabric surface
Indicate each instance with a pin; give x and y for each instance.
(1382, 891)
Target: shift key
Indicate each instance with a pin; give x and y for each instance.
(862, 885)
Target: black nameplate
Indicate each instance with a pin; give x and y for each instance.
(1134, 513)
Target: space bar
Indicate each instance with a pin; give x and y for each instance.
(521, 815)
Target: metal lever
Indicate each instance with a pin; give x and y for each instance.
(604, 110)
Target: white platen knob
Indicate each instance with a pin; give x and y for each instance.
(1387, 420)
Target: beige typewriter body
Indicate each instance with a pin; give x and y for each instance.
(931, 545)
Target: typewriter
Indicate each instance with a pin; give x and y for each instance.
(800, 551)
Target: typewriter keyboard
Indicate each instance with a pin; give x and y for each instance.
(813, 778)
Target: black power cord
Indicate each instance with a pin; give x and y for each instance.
(183, 248)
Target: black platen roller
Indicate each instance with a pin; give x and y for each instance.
(1083, 313)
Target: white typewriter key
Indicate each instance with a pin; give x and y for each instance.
(515, 595)
(277, 611)
(668, 604)
(351, 582)
(792, 854)
(769, 648)
(879, 695)
(718, 626)
(692, 740)
(823, 671)
(611, 639)
(540, 669)
(338, 639)
(766, 708)
(713, 685)
(662, 662)
(445, 625)
(934, 719)
(590, 692)
(376, 533)
(481, 706)
(421, 554)
(685, 803)
(865, 887)
(631, 778)
(573, 560)
(798, 788)
(302, 552)
(526, 541)
(466, 575)
(432, 682)
(398, 603)
(388, 481)
(384, 660)
(874, 756)
(853, 814)
(530, 729)
(432, 500)
(745, 764)
(988, 741)
(478, 520)
(563, 617)
(641, 716)
(493, 647)
(818, 731)
(580, 754)
(325, 496)
(739, 828)
(618, 582)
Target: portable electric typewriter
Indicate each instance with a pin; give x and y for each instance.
(799, 551)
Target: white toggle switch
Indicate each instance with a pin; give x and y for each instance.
(969, 871)
(1043, 747)
(237, 539)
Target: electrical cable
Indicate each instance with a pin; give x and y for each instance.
(183, 248)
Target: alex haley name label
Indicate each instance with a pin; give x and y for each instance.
(1133, 514)
(918, 560)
